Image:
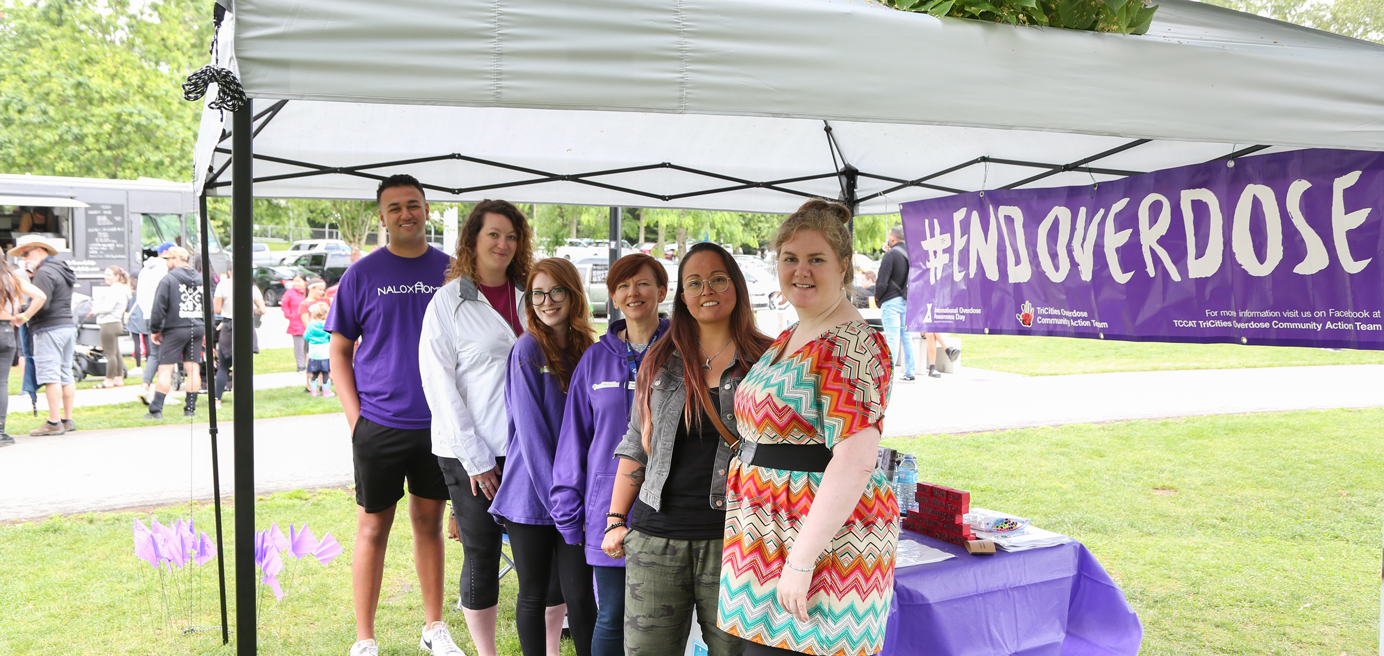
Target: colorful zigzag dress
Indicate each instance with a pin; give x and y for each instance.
(830, 389)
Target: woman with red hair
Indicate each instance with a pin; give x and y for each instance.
(536, 382)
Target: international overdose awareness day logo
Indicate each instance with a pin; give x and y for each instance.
(1273, 249)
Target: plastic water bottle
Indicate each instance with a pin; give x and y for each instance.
(906, 484)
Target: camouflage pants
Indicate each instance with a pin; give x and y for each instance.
(665, 580)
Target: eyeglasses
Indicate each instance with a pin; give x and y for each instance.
(717, 284)
(556, 295)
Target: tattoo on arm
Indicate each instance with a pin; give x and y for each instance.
(636, 477)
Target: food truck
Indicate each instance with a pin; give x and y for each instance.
(98, 223)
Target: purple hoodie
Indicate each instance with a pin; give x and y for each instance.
(598, 414)
(534, 403)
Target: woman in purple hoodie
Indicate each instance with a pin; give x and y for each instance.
(598, 414)
(536, 382)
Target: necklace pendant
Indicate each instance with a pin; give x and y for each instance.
(707, 366)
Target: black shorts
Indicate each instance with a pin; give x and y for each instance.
(385, 457)
(324, 367)
(180, 345)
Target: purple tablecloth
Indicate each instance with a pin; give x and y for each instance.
(1054, 601)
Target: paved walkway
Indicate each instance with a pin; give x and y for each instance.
(125, 468)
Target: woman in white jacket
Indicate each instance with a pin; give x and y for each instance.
(468, 330)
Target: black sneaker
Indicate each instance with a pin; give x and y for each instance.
(153, 415)
(907, 379)
(953, 353)
(5, 440)
(932, 372)
(48, 428)
(189, 413)
(68, 425)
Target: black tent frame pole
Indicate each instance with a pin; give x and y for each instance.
(612, 312)
(243, 329)
(204, 225)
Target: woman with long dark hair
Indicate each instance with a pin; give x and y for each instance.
(599, 399)
(540, 370)
(812, 523)
(468, 330)
(674, 459)
(14, 288)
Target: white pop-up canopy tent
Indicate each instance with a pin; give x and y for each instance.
(745, 105)
(722, 104)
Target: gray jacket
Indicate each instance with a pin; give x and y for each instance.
(666, 402)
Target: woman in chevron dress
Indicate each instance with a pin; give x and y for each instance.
(811, 524)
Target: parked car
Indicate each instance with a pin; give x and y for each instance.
(307, 245)
(576, 250)
(593, 273)
(273, 280)
(328, 266)
(260, 255)
(763, 287)
(754, 262)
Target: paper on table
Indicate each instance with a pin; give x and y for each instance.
(1032, 537)
(911, 553)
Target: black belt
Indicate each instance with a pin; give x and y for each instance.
(790, 457)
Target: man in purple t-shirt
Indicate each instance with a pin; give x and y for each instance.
(381, 302)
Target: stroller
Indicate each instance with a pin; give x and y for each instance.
(87, 357)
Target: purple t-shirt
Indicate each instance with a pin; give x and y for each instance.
(381, 301)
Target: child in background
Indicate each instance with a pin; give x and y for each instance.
(319, 356)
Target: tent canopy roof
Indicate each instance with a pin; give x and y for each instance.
(736, 95)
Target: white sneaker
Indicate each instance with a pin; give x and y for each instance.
(438, 640)
(365, 648)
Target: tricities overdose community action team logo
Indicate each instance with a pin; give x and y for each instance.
(1025, 315)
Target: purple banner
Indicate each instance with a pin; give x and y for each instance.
(1282, 249)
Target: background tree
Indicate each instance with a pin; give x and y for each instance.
(91, 87)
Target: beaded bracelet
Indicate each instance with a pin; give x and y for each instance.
(614, 526)
(615, 514)
(805, 570)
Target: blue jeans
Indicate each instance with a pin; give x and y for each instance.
(895, 333)
(609, 637)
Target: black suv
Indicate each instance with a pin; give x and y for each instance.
(323, 264)
(270, 280)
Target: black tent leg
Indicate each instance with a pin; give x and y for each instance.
(242, 224)
(612, 313)
(204, 224)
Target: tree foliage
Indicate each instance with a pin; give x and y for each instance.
(91, 87)
(1361, 19)
(1123, 16)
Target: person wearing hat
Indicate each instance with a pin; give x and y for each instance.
(155, 268)
(55, 334)
(176, 322)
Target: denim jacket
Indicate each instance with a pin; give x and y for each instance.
(667, 399)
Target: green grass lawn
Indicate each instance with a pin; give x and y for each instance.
(269, 403)
(268, 361)
(1242, 534)
(1246, 534)
(1052, 356)
(82, 570)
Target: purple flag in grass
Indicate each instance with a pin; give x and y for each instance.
(145, 549)
(206, 549)
(278, 540)
(301, 543)
(269, 561)
(168, 544)
(327, 550)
